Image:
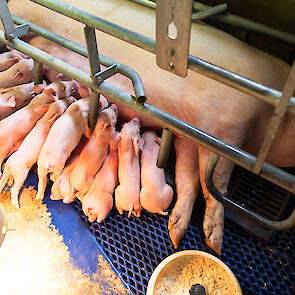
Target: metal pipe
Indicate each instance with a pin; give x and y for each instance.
(99, 23)
(218, 9)
(38, 73)
(165, 146)
(246, 24)
(122, 69)
(236, 81)
(238, 156)
(238, 22)
(276, 120)
(229, 78)
(223, 199)
(146, 3)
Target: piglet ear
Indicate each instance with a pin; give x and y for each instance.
(41, 109)
(38, 88)
(9, 102)
(51, 93)
(18, 76)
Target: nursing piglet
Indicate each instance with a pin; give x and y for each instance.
(127, 193)
(12, 99)
(63, 137)
(8, 59)
(155, 195)
(20, 123)
(20, 73)
(98, 202)
(61, 188)
(94, 152)
(20, 163)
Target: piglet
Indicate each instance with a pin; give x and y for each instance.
(61, 188)
(155, 195)
(98, 202)
(94, 152)
(63, 137)
(20, 163)
(127, 193)
(20, 123)
(12, 99)
(20, 73)
(8, 59)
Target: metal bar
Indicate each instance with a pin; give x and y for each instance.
(238, 22)
(265, 222)
(122, 69)
(165, 146)
(146, 3)
(229, 78)
(276, 120)
(91, 46)
(38, 73)
(10, 31)
(99, 23)
(105, 74)
(246, 24)
(218, 9)
(238, 156)
(94, 63)
(93, 109)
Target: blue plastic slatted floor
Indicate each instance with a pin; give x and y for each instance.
(137, 245)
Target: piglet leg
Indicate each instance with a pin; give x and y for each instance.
(5, 176)
(19, 179)
(187, 185)
(42, 175)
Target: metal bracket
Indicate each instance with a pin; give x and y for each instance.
(264, 222)
(165, 146)
(11, 32)
(173, 27)
(105, 74)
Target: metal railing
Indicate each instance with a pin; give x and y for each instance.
(238, 156)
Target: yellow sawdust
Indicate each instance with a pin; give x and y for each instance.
(35, 260)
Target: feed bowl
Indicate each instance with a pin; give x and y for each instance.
(179, 271)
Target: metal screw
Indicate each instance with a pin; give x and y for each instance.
(171, 51)
(171, 66)
(11, 37)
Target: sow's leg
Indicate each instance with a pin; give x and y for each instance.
(213, 223)
(187, 185)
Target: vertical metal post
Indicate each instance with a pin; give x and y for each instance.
(10, 31)
(94, 64)
(165, 146)
(276, 119)
(38, 72)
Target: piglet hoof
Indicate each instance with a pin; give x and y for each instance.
(39, 196)
(179, 221)
(213, 226)
(15, 203)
